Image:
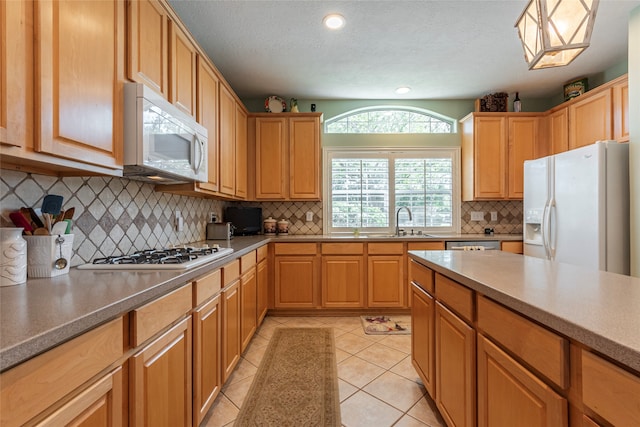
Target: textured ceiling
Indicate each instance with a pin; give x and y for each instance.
(445, 49)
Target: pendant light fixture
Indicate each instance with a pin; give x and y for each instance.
(555, 32)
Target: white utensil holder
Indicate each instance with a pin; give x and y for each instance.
(42, 253)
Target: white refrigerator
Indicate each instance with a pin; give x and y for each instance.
(576, 207)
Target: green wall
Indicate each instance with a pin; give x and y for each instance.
(455, 108)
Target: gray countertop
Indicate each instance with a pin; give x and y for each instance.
(596, 308)
(43, 313)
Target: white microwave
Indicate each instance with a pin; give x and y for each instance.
(162, 144)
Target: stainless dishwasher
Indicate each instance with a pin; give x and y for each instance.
(470, 244)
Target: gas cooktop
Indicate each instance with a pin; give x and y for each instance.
(177, 258)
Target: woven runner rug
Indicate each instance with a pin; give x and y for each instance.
(296, 383)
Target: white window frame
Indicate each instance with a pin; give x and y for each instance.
(391, 153)
(420, 111)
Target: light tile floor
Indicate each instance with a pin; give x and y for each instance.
(378, 385)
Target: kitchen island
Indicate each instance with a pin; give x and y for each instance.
(518, 334)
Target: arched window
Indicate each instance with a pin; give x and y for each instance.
(390, 119)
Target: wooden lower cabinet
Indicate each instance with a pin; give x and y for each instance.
(161, 380)
(100, 405)
(386, 286)
(262, 284)
(230, 328)
(510, 395)
(422, 337)
(248, 321)
(609, 391)
(207, 374)
(42, 383)
(513, 247)
(296, 281)
(343, 281)
(455, 368)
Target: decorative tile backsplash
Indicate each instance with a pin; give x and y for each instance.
(118, 216)
(509, 217)
(112, 215)
(295, 213)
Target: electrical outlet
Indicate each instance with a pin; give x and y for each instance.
(309, 216)
(477, 216)
(494, 216)
(213, 217)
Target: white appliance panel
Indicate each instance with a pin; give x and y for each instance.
(577, 219)
(585, 207)
(536, 193)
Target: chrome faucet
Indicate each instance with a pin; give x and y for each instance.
(398, 214)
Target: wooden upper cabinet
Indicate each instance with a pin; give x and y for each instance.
(490, 157)
(494, 148)
(621, 111)
(523, 134)
(207, 116)
(79, 81)
(16, 73)
(484, 151)
(558, 127)
(241, 152)
(148, 45)
(590, 119)
(287, 154)
(271, 168)
(161, 55)
(182, 57)
(304, 158)
(227, 132)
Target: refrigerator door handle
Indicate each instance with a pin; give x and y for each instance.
(552, 233)
(545, 229)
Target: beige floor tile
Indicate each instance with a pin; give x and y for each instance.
(271, 320)
(352, 343)
(371, 337)
(381, 355)
(342, 355)
(395, 390)
(358, 372)
(342, 323)
(408, 421)
(398, 342)
(405, 368)
(255, 354)
(425, 410)
(364, 410)
(257, 341)
(222, 412)
(346, 390)
(237, 391)
(243, 370)
(378, 385)
(338, 332)
(266, 331)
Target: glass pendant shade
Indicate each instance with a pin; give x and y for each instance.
(555, 32)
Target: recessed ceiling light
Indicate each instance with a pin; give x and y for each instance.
(334, 21)
(402, 90)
